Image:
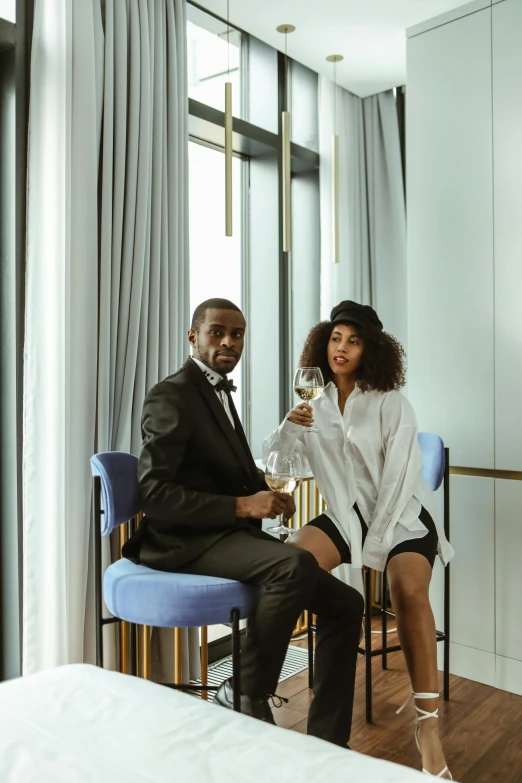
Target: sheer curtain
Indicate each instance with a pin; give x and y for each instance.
(61, 326)
(372, 214)
(144, 281)
(107, 281)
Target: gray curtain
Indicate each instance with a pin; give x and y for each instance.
(61, 321)
(372, 214)
(144, 283)
(144, 219)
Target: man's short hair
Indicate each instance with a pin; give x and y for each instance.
(200, 312)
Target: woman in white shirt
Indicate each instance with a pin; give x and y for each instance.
(367, 463)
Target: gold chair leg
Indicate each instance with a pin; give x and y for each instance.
(204, 660)
(146, 652)
(124, 647)
(178, 656)
(317, 500)
(124, 627)
(299, 508)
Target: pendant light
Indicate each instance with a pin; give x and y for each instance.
(335, 58)
(286, 161)
(228, 137)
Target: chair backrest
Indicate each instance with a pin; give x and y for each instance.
(433, 457)
(118, 472)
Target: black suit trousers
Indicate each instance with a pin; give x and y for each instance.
(293, 581)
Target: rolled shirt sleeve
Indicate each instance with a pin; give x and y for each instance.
(287, 437)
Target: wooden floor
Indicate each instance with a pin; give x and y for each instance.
(481, 727)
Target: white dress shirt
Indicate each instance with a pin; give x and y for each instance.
(369, 455)
(214, 378)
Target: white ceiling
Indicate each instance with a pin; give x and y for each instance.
(370, 34)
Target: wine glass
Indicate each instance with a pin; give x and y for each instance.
(283, 473)
(309, 385)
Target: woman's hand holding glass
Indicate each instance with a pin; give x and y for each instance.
(302, 414)
(308, 385)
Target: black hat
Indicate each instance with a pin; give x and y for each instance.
(362, 315)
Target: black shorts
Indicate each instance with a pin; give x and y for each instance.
(427, 545)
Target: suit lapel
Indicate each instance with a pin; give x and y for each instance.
(235, 437)
(240, 432)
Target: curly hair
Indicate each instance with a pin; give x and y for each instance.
(383, 362)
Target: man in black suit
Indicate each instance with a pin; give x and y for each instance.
(204, 500)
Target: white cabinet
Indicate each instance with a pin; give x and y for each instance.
(507, 138)
(508, 556)
(472, 503)
(464, 164)
(450, 236)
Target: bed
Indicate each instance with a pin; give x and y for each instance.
(80, 723)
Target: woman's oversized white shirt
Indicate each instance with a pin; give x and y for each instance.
(370, 455)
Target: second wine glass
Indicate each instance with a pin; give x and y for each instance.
(283, 473)
(309, 385)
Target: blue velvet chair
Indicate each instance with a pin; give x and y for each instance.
(436, 472)
(145, 597)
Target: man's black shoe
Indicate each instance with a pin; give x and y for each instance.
(256, 708)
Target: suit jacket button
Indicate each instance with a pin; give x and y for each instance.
(246, 488)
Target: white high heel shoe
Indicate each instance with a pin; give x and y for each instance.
(424, 715)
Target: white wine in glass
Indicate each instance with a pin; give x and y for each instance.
(283, 473)
(309, 385)
(286, 485)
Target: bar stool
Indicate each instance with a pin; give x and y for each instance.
(145, 597)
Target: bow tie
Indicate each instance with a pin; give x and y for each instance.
(226, 386)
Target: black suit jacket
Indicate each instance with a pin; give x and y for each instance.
(192, 467)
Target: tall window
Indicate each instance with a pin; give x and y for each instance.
(250, 268)
(211, 62)
(278, 291)
(217, 264)
(8, 10)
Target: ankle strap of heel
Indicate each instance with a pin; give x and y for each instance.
(424, 715)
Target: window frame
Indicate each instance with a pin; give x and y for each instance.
(15, 42)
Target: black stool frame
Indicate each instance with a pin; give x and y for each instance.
(102, 621)
(385, 650)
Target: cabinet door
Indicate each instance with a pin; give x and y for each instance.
(450, 236)
(473, 568)
(507, 137)
(508, 556)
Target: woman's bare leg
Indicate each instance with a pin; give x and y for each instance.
(409, 576)
(314, 540)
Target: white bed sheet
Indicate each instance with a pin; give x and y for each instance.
(79, 723)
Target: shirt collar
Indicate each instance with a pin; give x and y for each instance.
(212, 377)
(332, 391)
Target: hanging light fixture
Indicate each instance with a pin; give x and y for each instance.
(228, 137)
(286, 167)
(335, 58)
